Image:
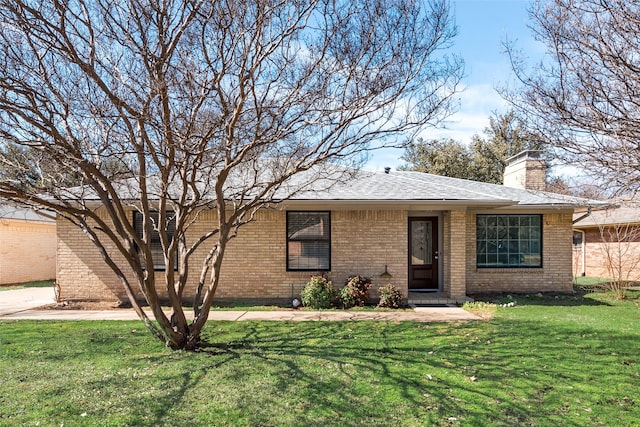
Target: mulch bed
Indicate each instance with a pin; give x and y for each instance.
(86, 305)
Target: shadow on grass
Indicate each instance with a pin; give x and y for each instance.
(510, 371)
(503, 372)
(578, 298)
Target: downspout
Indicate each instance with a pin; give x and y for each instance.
(583, 243)
(583, 249)
(583, 216)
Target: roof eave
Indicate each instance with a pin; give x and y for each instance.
(400, 204)
(545, 206)
(395, 204)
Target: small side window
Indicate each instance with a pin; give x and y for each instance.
(308, 241)
(156, 247)
(577, 238)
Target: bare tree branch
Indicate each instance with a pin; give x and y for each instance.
(172, 109)
(583, 96)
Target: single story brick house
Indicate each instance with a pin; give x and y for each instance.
(27, 246)
(606, 242)
(434, 237)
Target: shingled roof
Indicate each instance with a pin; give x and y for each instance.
(428, 188)
(340, 185)
(613, 216)
(9, 211)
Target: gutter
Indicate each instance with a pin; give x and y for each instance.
(434, 204)
(580, 218)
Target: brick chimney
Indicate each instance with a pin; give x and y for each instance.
(526, 170)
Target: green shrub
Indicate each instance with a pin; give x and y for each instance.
(355, 292)
(318, 293)
(390, 296)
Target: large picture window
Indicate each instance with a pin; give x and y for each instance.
(509, 241)
(156, 247)
(308, 241)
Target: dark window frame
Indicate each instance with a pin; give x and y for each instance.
(317, 239)
(503, 240)
(578, 238)
(155, 238)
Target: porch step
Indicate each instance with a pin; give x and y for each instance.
(435, 298)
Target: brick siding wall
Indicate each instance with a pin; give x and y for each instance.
(555, 274)
(27, 251)
(362, 242)
(81, 272)
(625, 256)
(254, 266)
(458, 258)
(444, 254)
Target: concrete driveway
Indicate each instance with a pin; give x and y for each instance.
(18, 300)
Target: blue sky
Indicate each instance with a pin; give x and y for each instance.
(483, 25)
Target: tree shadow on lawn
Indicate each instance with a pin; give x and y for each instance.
(503, 372)
(512, 374)
(578, 298)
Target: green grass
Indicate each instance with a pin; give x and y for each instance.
(566, 361)
(589, 281)
(599, 284)
(36, 284)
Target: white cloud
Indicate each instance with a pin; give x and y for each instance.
(477, 104)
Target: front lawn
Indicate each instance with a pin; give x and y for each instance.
(545, 362)
(589, 281)
(36, 284)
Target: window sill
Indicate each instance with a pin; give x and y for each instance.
(509, 270)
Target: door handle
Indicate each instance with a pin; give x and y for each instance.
(435, 256)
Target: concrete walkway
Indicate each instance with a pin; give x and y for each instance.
(20, 304)
(18, 300)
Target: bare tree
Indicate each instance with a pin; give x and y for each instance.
(172, 108)
(583, 96)
(619, 251)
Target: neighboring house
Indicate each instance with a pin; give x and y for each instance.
(436, 238)
(606, 243)
(27, 246)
